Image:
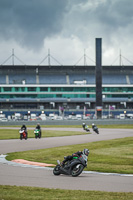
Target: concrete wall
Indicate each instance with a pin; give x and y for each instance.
(70, 122)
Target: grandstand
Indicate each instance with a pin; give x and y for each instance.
(46, 86)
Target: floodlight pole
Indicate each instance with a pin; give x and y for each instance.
(120, 57)
(84, 58)
(49, 57)
(12, 56)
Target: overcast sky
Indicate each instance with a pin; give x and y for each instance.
(68, 28)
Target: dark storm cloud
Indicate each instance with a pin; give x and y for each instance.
(109, 19)
(117, 13)
(30, 21)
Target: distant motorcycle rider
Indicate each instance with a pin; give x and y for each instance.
(23, 127)
(76, 154)
(39, 128)
(83, 125)
(94, 127)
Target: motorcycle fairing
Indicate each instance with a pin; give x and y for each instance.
(68, 167)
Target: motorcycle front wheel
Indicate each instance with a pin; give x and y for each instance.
(20, 136)
(77, 170)
(26, 136)
(35, 136)
(56, 170)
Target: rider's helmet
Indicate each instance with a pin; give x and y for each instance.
(93, 124)
(86, 152)
(23, 126)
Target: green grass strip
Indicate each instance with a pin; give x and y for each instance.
(35, 193)
(14, 134)
(114, 156)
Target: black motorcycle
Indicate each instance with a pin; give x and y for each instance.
(95, 129)
(72, 167)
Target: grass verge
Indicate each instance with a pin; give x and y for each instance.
(114, 156)
(14, 134)
(34, 193)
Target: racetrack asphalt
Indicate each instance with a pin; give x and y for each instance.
(42, 177)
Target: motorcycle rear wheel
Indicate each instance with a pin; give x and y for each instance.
(56, 170)
(77, 171)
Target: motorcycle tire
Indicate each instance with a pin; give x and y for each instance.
(26, 137)
(56, 170)
(87, 130)
(77, 171)
(20, 137)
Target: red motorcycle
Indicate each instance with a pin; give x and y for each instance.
(23, 134)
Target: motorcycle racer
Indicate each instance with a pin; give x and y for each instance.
(23, 127)
(94, 127)
(76, 154)
(39, 128)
